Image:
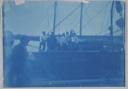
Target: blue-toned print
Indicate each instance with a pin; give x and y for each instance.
(63, 44)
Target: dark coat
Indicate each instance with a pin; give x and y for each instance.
(19, 58)
(52, 42)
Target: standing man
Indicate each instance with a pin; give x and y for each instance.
(52, 42)
(73, 41)
(43, 39)
(64, 42)
(67, 34)
(62, 39)
(67, 37)
(19, 64)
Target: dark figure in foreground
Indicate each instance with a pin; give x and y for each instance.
(18, 75)
(7, 51)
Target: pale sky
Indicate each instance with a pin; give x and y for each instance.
(33, 17)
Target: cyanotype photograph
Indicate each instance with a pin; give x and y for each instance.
(63, 44)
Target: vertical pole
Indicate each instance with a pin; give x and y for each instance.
(48, 18)
(81, 17)
(111, 31)
(111, 34)
(54, 16)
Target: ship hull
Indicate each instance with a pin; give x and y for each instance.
(76, 65)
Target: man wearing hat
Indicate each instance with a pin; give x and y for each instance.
(52, 42)
(19, 63)
(73, 41)
(43, 39)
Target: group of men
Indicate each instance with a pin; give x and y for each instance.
(64, 42)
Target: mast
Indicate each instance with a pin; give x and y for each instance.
(48, 18)
(54, 16)
(81, 17)
(111, 31)
(111, 27)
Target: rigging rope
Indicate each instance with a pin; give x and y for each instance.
(107, 23)
(48, 19)
(35, 23)
(113, 32)
(57, 16)
(62, 10)
(103, 21)
(96, 14)
(83, 14)
(64, 18)
(51, 16)
(89, 24)
(73, 20)
(59, 7)
(92, 24)
(40, 22)
(105, 30)
(92, 39)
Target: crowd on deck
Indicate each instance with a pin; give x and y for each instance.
(64, 42)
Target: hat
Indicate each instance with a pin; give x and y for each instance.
(24, 38)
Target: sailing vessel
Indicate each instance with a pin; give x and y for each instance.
(98, 57)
